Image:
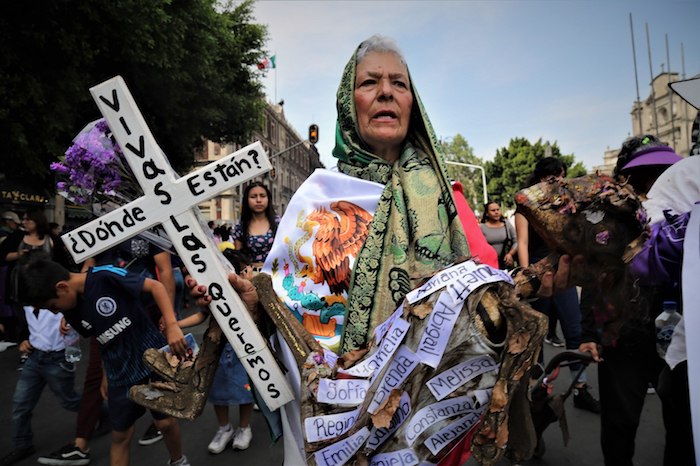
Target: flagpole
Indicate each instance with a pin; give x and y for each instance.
(275, 64)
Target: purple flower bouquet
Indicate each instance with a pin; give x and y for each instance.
(94, 174)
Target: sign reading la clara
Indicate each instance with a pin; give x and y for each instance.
(171, 201)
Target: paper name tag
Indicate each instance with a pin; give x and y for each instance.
(400, 368)
(405, 457)
(427, 417)
(377, 360)
(436, 442)
(330, 357)
(437, 332)
(384, 326)
(340, 452)
(342, 392)
(319, 428)
(450, 380)
(462, 278)
(378, 436)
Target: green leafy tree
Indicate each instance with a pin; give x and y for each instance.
(512, 165)
(189, 64)
(457, 149)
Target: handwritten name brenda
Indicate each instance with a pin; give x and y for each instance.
(399, 369)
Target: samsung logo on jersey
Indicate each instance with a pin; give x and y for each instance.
(114, 330)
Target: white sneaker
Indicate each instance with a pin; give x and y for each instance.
(221, 438)
(181, 462)
(242, 439)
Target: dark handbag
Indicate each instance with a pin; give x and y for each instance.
(507, 245)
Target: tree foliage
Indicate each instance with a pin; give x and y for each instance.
(457, 149)
(189, 65)
(512, 166)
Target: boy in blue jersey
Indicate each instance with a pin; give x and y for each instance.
(109, 303)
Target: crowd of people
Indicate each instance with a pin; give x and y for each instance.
(399, 223)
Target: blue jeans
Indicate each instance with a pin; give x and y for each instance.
(179, 291)
(40, 369)
(566, 307)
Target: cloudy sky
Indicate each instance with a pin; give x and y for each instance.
(560, 70)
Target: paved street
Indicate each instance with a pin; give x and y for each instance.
(53, 427)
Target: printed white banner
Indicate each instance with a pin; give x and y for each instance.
(429, 415)
(436, 442)
(319, 428)
(405, 457)
(437, 332)
(377, 360)
(462, 279)
(450, 380)
(340, 452)
(378, 436)
(342, 392)
(400, 368)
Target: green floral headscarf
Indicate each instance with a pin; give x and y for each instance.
(415, 230)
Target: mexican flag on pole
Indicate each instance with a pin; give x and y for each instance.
(268, 62)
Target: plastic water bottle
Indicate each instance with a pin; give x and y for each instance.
(665, 324)
(72, 341)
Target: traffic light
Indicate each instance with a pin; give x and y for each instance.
(313, 134)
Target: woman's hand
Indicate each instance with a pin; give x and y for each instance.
(508, 259)
(245, 289)
(590, 347)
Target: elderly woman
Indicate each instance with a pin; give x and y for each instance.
(352, 244)
(383, 135)
(386, 150)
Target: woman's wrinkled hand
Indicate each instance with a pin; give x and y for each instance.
(245, 289)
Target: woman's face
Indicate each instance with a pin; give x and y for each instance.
(257, 199)
(383, 102)
(493, 212)
(28, 224)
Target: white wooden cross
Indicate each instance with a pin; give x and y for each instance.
(171, 201)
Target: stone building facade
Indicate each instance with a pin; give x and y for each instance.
(293, 159)
(664, 114)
